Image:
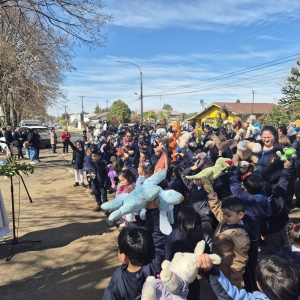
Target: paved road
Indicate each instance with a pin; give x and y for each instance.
(78, 253)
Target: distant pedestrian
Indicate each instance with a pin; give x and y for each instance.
(53, 139)
(65, 137)
(19, 140)
(9, 139)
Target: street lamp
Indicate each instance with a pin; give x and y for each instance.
(141, 78)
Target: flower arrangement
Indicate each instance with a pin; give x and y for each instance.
(11, 167)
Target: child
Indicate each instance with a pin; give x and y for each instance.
(197, 197)
(126, 182)
(257, 206)
(277, 279)
(77, 161)
(273, 228)
(141, 253)
(231, 240)
(145, 170)
(86, 164)
(99, 179)
(292, 251)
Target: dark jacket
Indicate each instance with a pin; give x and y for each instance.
(279, 217)
(270, 165)
(31, 139)
(293, 256)
(8, 136)
(17, 136)
(296, 145)
(86, 163)
(256, 206)
(100, 170)
(78, 156)
(122, 286)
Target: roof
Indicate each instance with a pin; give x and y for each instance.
(97, 116)
(239, 108)
(246, 108)
(157, 111)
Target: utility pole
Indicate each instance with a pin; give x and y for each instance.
(252, 100)
(107, 104)
(65, 106)
(82, 118)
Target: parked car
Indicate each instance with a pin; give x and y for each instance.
(43, 132)
(57, 126)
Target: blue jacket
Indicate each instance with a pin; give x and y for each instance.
(279, 217)
(224, 290)
(86, 163)
(124, 287)
(256, 206)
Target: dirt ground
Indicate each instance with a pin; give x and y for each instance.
(78, 252)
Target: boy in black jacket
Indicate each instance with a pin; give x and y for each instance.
(273, 228)
(141, 253)
(99, 178)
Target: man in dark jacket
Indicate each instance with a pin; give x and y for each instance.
(31, 146)
(18, 139)
(9, 139)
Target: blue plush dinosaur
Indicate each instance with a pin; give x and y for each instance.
(127, 204)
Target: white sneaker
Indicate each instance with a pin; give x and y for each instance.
(33, 163)
(36, 161)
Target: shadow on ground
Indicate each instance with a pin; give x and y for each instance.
(56, 237)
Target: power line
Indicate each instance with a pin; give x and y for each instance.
(224, 76)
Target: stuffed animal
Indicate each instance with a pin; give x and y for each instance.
(222, 143)
(288, 154)
(221, 167)
(175, 276)
(183, 140)
(127, 204)
(237, 126)
(250, 122)
(173, 146)
(201, 159)
(176, 129)
(248, 151)
(162, 163)
(121, 150)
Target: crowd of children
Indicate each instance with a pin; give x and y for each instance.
(243, 209)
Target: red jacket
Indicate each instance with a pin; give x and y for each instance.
(64, 136)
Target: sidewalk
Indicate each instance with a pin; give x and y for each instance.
(78, 252)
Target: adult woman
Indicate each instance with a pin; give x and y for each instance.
(184, 239)
(53, 140)
(270, 165)
(281, 131)
(128, 142)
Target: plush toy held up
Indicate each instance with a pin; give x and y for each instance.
(121, 150)
(201, 159)
(248, 151)
(288, 154)
(222, 143)
(133, 203)
(175, 276)
(208, 175)
(162, 163)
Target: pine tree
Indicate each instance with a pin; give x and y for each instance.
(97, 109)
(291, 90)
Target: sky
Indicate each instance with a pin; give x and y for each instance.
(217, 50)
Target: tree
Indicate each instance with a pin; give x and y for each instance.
(79, 21)
(149, 116)
(97, 109)
(167, 107)
(291, 89)
(238, 101)
(119, 112)
(183, 116)
(276, 116)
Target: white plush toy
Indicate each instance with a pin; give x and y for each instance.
(175, 276)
